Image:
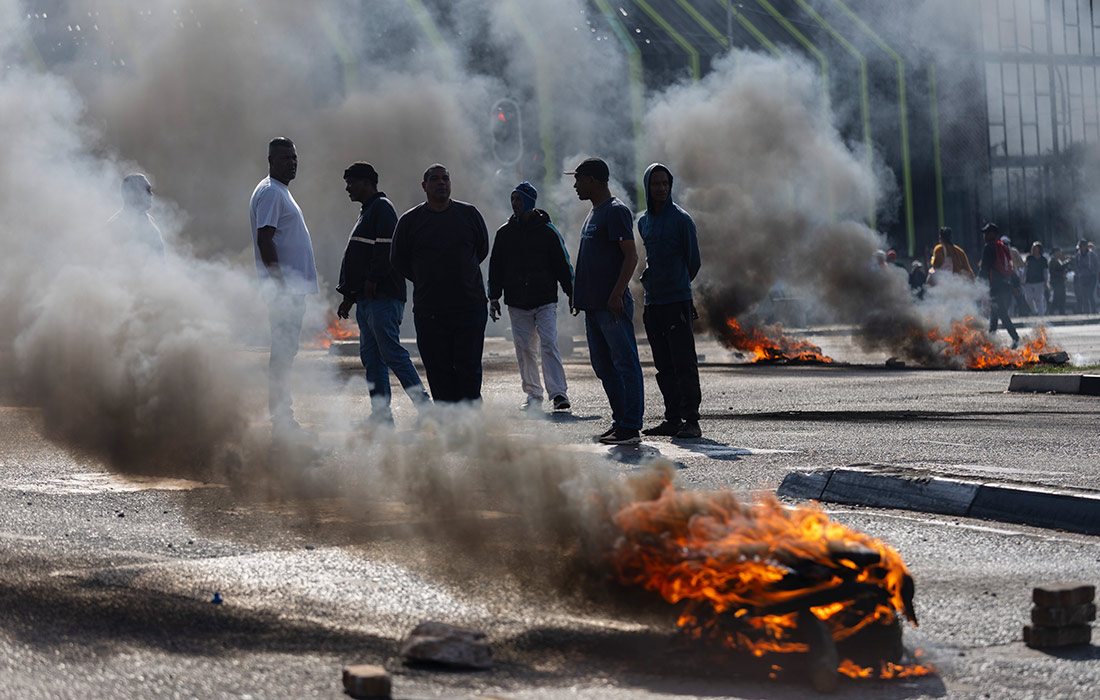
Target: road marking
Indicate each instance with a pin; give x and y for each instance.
(104, 482)
(22, 538)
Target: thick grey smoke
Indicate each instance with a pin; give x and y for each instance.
(137, 362)
(779, 197)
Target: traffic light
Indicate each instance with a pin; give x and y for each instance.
(507, 131)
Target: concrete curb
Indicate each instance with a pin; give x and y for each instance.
(1058, 509)
(1088, 384)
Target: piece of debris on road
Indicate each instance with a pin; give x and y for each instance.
(447, 645)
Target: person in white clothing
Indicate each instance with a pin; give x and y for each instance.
(286, 269)
(527, 264)
(132, 223)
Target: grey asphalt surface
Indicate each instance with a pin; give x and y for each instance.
(106, 580)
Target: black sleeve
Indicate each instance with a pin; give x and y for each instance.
(989, 258)
(399, 248)
(353, 268)
(481, 235)
(383, 221)
(496, 265)
(563, 270)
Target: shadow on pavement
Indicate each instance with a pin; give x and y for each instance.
(672, 663)
(712, 449)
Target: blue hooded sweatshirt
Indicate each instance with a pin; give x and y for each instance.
(671, 249)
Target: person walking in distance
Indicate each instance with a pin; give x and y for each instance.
(1036, 279)
(605, 263)
(1086, 271)
(948, 257)
(369, 282)
(672, 261)
(996, 269)
(1058, 269)
(285, 266)
(527, 264)
(439, 245)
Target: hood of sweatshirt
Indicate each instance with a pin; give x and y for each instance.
(645, 183)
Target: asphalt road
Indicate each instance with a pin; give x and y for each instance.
(106, 580)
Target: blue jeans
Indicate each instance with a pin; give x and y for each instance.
(381, 351)
(614, 352)
(450, 345)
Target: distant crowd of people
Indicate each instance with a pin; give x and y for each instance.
(439, 246)
(1031, 285)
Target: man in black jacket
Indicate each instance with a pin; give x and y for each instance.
(439, 245)
(368, 280)
(527, 264)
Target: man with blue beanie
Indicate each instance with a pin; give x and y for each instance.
(672, 261)
(527, 264)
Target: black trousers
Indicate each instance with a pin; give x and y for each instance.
(999, 301)
(1058, 298)
(450, 346)
(672, 340)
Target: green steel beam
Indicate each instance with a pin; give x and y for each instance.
(428, 26)
(822, 61)
(637, 90)
(864, 93)
(543, 89)
(907, 175)
(751, 28)
(934, 95)
(693, 54)
(704, 23)
(343, 51)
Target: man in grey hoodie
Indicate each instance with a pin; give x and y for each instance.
(672, 261)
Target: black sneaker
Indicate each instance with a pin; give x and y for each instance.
(607, 433)
(690, 429)
(1015, 343)
(560, 403)
(622, 436)
(667, 428)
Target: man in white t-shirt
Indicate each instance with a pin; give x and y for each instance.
(285, 266)
(133, 224)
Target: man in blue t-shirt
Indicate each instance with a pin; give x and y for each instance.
(605, 264)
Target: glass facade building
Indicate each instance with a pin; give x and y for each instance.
(1042, 81)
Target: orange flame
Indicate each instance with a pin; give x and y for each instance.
(335, 329)
(745, 571)
(773, 346)
(969, 343)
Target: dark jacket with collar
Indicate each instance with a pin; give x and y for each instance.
(367, 255)
(528, 263)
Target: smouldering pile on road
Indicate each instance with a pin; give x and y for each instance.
(768, 580)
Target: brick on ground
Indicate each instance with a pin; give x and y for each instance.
(1063, 595)
(367, 681)
(1060, 617)
(1048, 637)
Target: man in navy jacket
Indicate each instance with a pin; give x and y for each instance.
(369, 282)
(672, 261)
(527, 265)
